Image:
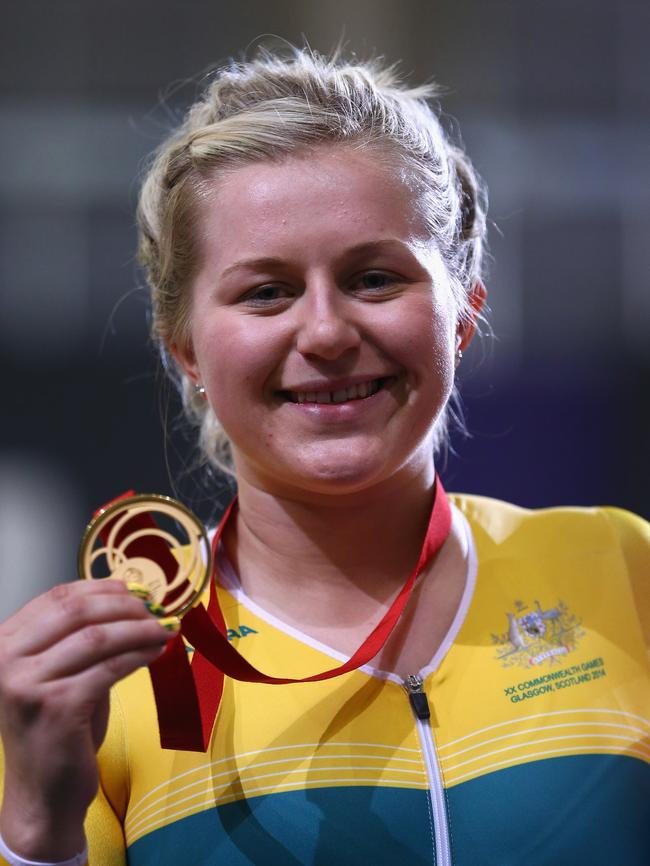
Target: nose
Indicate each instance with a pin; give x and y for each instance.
(327, 328)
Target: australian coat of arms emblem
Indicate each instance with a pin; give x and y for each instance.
(537, 635)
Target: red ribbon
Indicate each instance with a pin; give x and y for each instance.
(188, 696)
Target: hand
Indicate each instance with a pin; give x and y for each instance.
(59, 657)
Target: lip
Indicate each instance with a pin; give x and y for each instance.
(324, 385)
(348, 411)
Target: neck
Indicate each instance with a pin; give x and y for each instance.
(333, 558)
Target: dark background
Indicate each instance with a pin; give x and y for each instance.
(553, 100)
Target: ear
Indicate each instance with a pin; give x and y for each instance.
(183, 354)
(467, 325)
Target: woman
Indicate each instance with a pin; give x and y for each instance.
(313, 244)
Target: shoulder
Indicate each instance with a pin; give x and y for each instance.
(632, 531)
(633, 536)
(504, 523)
(608, 541)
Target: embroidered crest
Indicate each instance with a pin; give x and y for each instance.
(537, 635)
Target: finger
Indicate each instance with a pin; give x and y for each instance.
(67, 704)
(92, 645)
(63, 613)
(25, 615)
(93, 684)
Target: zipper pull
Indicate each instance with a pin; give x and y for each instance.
(417, 697)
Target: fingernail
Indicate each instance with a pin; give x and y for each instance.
(154, 608)
(139, 590)
(171, 623)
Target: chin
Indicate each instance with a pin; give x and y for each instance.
(337, 467)
(339, 481)
(342, 472)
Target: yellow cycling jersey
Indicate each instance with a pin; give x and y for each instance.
(532, 745)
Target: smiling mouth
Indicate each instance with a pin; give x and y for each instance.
(360, 391)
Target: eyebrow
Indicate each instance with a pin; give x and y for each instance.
(269, 262)
(261, 264)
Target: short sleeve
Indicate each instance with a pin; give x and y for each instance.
(104, 833)
(634, 538)
(104, 821)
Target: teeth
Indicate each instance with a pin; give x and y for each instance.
(354, 392)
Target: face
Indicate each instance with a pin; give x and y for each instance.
(323, 325)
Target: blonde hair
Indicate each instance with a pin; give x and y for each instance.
(266, 109)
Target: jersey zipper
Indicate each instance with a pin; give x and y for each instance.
(420, 706)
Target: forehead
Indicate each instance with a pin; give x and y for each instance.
(316, 197)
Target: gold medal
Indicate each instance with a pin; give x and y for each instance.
(155, 545)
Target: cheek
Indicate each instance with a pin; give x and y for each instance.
(423, 337)
(235, 358)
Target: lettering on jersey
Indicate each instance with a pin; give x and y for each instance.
(537, 636)
(232, 633)
(553, 681)
(243, 630)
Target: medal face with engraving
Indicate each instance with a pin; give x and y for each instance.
(152, 543)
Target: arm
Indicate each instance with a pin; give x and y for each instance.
(103, 829)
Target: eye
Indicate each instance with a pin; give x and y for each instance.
(375, 282)
(267, 295)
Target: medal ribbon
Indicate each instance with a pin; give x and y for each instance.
(188, 696)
